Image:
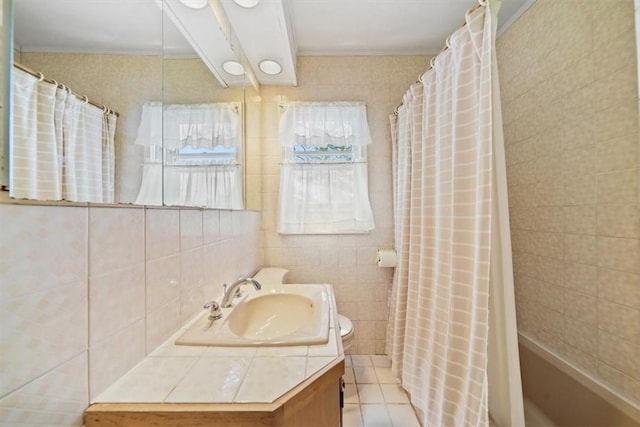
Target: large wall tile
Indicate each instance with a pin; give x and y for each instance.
(58, 398)
(113, 357)
(162, 233)
(190, 229)
(163, 281)
(116, 239)
(41, 248)
(116, 300)
(43, 309)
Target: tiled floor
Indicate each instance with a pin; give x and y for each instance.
(373, 397)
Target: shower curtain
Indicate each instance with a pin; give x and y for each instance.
(443, 140)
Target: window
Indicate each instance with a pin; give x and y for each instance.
(323, 178)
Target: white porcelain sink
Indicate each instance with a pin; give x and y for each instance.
(274, 316)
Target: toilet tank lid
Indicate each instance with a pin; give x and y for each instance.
(346, 325)
(271, 275)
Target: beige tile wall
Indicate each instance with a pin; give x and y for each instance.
(88, 292)
(348, 262)
(569, 93)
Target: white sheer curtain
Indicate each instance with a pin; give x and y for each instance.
(203, 186)
(63, 147)
(328, 191)
(438, 326)
(165, 130)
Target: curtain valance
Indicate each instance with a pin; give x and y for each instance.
(324, 123)
(198, 125)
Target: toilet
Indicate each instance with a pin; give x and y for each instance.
(276, 276)
(346, 331)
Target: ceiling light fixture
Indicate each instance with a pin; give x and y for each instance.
(195, 4)
(270, 67)
(233, 67)
(247, 3)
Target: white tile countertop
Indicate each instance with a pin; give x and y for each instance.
(193, 374)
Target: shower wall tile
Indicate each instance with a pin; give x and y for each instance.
(619, 221)
(619, 320)
(619, 254)
(619, 287)
(619, 353)
(617, 154)
(620, 187)
(576, 101)
(579, 190)
(619, 381)
(582, 359)
(580, 248)
(581, 277)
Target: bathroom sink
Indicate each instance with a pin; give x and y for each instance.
(275, 316)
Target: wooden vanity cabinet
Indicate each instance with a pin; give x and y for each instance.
(316, 402)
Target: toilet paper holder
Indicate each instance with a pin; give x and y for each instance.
(387, 257)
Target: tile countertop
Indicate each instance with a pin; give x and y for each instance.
(192, 374)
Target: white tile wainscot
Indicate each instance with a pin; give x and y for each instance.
(228, 385)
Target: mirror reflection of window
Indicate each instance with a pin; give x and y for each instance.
(192, 155)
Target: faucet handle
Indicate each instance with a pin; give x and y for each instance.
(216, 313)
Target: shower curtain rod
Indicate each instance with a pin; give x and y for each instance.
(481, 3)
(39, 75)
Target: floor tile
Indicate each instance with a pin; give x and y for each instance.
(351, 416)
(361, 360)
(394, 393)
(370, 393)
(348, 376)
(402, 416)
(386, 377)
(351, 394)
(374, 397)
(375, 416)
(365, 374)
(347, 361)
(381, 361)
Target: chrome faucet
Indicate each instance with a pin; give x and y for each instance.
(235, 287)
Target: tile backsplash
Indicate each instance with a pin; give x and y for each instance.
(87, 293)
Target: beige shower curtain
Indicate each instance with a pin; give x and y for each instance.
(438, 328)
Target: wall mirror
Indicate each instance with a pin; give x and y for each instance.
(168, 128)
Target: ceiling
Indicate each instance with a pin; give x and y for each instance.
(274, 29)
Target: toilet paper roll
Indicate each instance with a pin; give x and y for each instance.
(387, 257)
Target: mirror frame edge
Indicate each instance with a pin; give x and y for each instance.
(7, 65)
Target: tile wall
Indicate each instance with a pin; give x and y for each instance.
(570, 106)
(87, 293)
(348, 262)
